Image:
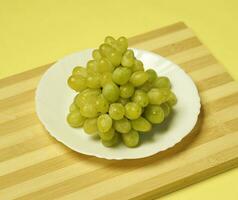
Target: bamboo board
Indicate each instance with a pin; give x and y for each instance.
(33, 165)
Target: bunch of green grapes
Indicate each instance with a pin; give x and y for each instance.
(118, 99)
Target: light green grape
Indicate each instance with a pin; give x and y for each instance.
(146, 86)
(88, 110)
(122, 44)
(73, 107)
(123, 101)
(109, 40)
(105, 49)
(132, 110)
(111, 92)
(77, 82)
(80, 71)
(172, 99)
(104, 65)
(141, 124)
(106, 77)
(96, 54)
(94, 80)
(116, 111)
(115, 57)
(141, 98)
(131, 139)
(86, 95)
(107, 135)
(90, 126)
(138, 66)
(154, 114)
(75, 119)
(128, 59)
(112, 142)
(104, 123)
(158, 96)
(102, 104)
(166, 108)
(126, 90)
(121, 75)
(162, 82)
(151, 75)
(92, 66)
(122, 126)
(138, 78)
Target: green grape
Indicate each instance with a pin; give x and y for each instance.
(131, 139)
(154, 114)
(121, 75)
(105, 49)
(128, 59)
(75, 119)
(123, 101)
(158, 96)
(86, 95)
(115, 57)
(112, 142)
(151, 75)
(162, 82)
(88, 110)
(109, 40)
(104, 65)
(90, 126)
(138, 66)
(106, 78)
(141, 98)
(107, 135)
(96, 54)
(116, 111)
(102, 104)
(138, 78)
(80, 71)
(122, 44)
(104, 123)
(92, 65)
(132, 110)
(146, 86)
(141, 124)
(94, 80)
(111, 92)
(166, 108)
(73, 107)
(77, 82)
(172, 99)
(126, 90)
(122, 126)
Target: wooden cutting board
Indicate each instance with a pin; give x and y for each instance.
(33, 165)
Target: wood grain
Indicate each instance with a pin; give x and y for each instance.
(33, 165)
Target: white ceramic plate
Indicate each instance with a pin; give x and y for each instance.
(53, 98)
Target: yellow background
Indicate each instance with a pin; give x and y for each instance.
(33, 33)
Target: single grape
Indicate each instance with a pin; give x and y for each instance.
(116, 111)
(112, 142)
(114, 57)
(90, 126)
(151, 75)
(154, 114)
(77, 82)
(92, 66)
(166, 108)
(122, 44)
(105, 49)
(107, 135)
(109, 40)
(138, 66)
(88, 110)
(104, 123)
(126, 90)
(138, 78)
(75, 119)
(96, 54)
(106, 78)
(111, 92)
(73, 107)
(131, 139)
(141, 98)
(121, 75)
(123, 101)
(86, 95)
(162, 82)
(132, 110)
(104, 65)
(94, 80)
(128, 59)
(102, 104)
(172, 99)
(122, 126)
(80, 71)
(158, 96)
(141, 124)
